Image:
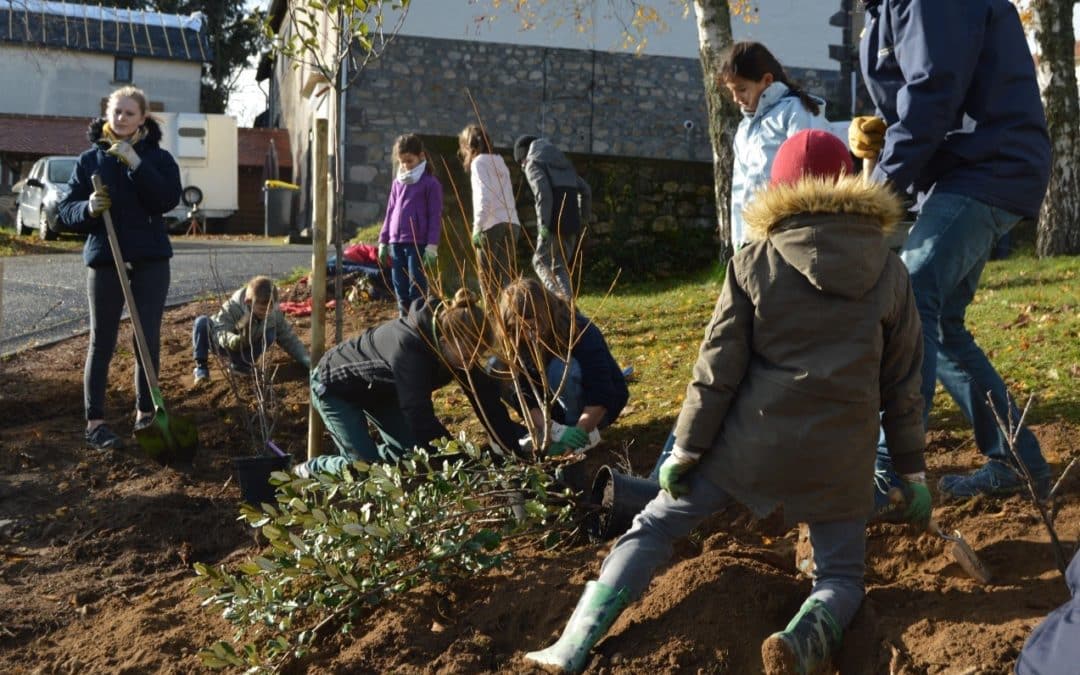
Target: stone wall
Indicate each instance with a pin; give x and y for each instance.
(588, 102)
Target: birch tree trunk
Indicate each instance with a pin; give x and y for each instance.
(1059, 221)
(714, 36)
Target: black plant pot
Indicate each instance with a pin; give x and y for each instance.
(253, 475)
(619, 498)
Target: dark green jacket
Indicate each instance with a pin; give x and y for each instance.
(814, 342)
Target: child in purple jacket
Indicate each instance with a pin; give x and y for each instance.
(413, 223)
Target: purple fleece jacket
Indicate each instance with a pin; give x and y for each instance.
(413, 212)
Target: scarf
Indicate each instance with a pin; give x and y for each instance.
(410, 177)
(108, 136)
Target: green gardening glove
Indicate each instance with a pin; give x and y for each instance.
(677, 465)
(575, 437)
(478, 239)
(384, 254)
(431, 254)
(918, 500)
(558, 448)
(234, 342)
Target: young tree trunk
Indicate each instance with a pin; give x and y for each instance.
(714, 36)
(1059, 221)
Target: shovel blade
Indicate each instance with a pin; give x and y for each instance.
(961, 552)
(169, 438)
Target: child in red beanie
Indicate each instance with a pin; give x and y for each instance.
(813, 342)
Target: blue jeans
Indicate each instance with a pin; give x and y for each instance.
(571, 398)
(839, 547)
(149, 286)
(347, 421)
(407, 274)
(203, 341)
(945, 254)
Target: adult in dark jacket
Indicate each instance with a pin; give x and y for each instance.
(386, 377)
(964, 128)
(563, 362)
(563, 205)
(141, 182)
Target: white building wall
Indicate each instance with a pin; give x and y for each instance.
(796, 31)
(38, 81)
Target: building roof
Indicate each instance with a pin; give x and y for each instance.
(122, 32)
(43, 134)
(254, 143)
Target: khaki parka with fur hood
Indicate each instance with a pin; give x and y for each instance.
(815, 333)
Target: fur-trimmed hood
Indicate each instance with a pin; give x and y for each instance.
(152, 138)
(833, 233)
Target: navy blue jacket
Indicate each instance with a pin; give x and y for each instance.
(955, 82)
(397, 361)
(602, 381)
(139, 198)
(1054, 646)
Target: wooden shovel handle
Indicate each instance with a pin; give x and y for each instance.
(129, 298)
(868, 165)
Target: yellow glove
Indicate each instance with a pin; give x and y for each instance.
(100, 201)
(866, 136)
(123, 151)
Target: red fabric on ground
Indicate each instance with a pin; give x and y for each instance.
(301, 308)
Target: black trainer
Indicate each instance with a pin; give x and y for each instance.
(101, 437)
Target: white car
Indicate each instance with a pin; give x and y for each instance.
(40, 193)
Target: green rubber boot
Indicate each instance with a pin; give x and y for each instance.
(597, 609)
(806, 645)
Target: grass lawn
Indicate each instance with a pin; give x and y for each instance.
(12, 244)
(1026, 316)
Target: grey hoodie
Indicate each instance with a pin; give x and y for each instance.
(563, 198)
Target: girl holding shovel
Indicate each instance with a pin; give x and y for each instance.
(141, 182)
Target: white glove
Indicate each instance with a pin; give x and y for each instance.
(431, 253)
(123, 151)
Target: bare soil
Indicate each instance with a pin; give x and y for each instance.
(96, 552)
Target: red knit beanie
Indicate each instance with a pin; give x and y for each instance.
(811, 152)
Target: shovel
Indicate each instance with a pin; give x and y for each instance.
(167, 438)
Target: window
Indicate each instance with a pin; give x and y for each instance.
(122, 69)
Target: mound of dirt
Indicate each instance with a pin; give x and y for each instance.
(96, 552)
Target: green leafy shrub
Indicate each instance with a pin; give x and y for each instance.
(340, 544)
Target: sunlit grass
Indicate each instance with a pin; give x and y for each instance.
(1026, 316)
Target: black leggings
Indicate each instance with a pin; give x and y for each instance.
(150, 286)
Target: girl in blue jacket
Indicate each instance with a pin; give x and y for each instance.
(141, 182)
(560, 352)
(774, 109)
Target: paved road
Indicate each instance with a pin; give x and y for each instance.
(44, 296)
